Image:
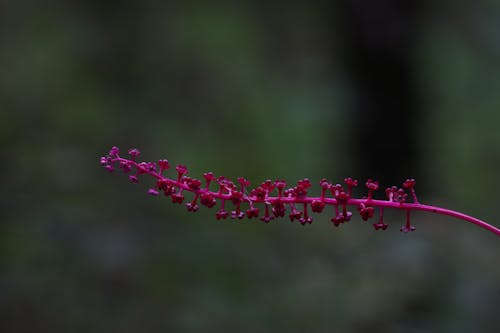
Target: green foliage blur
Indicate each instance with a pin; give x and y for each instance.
(251, 89)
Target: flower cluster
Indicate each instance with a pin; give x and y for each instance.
(272, 199)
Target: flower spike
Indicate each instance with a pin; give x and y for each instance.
(274, 198)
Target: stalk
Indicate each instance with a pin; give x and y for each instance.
(292, 197)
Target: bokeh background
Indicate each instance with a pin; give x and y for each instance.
(383, 89)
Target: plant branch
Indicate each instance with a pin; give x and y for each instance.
(228, 191)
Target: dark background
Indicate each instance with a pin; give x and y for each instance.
(260, 89)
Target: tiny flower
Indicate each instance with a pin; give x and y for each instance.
(236, 197)
(347, 216)
(267, 217)
(380, 225)
(407, 229)
(400, 196)
(125, 166)
(351, 182)
(194, 184)
(304, 220)
(209, 177)
(164, 165)
(152, 166)
(237, 214)
(104, 161)
(366, 213)
(305, 217)
(409, 183)
(207, 199)
(152, 192)
(259, 193)
(390, 192)
(337, 220)
(372, 185)
(280, 184)
(133, 179)
(109, 167)
(134, 152)
(192, 207)
(278, 209)
(244, 183)
(221, 214)
(268, 185)
(181, 170)
(168, 190)
(304, 183)
(336, 189)
(295, 215)
(177, 197)
(142, 168)
(342, 196)
(161, 184)
(324, 184)
(114, 151)
(252, 212)
(301, 188)
(225, 184)
(317, 206)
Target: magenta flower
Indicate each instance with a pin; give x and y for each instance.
(275, 199)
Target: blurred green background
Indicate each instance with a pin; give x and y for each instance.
(263, 90)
